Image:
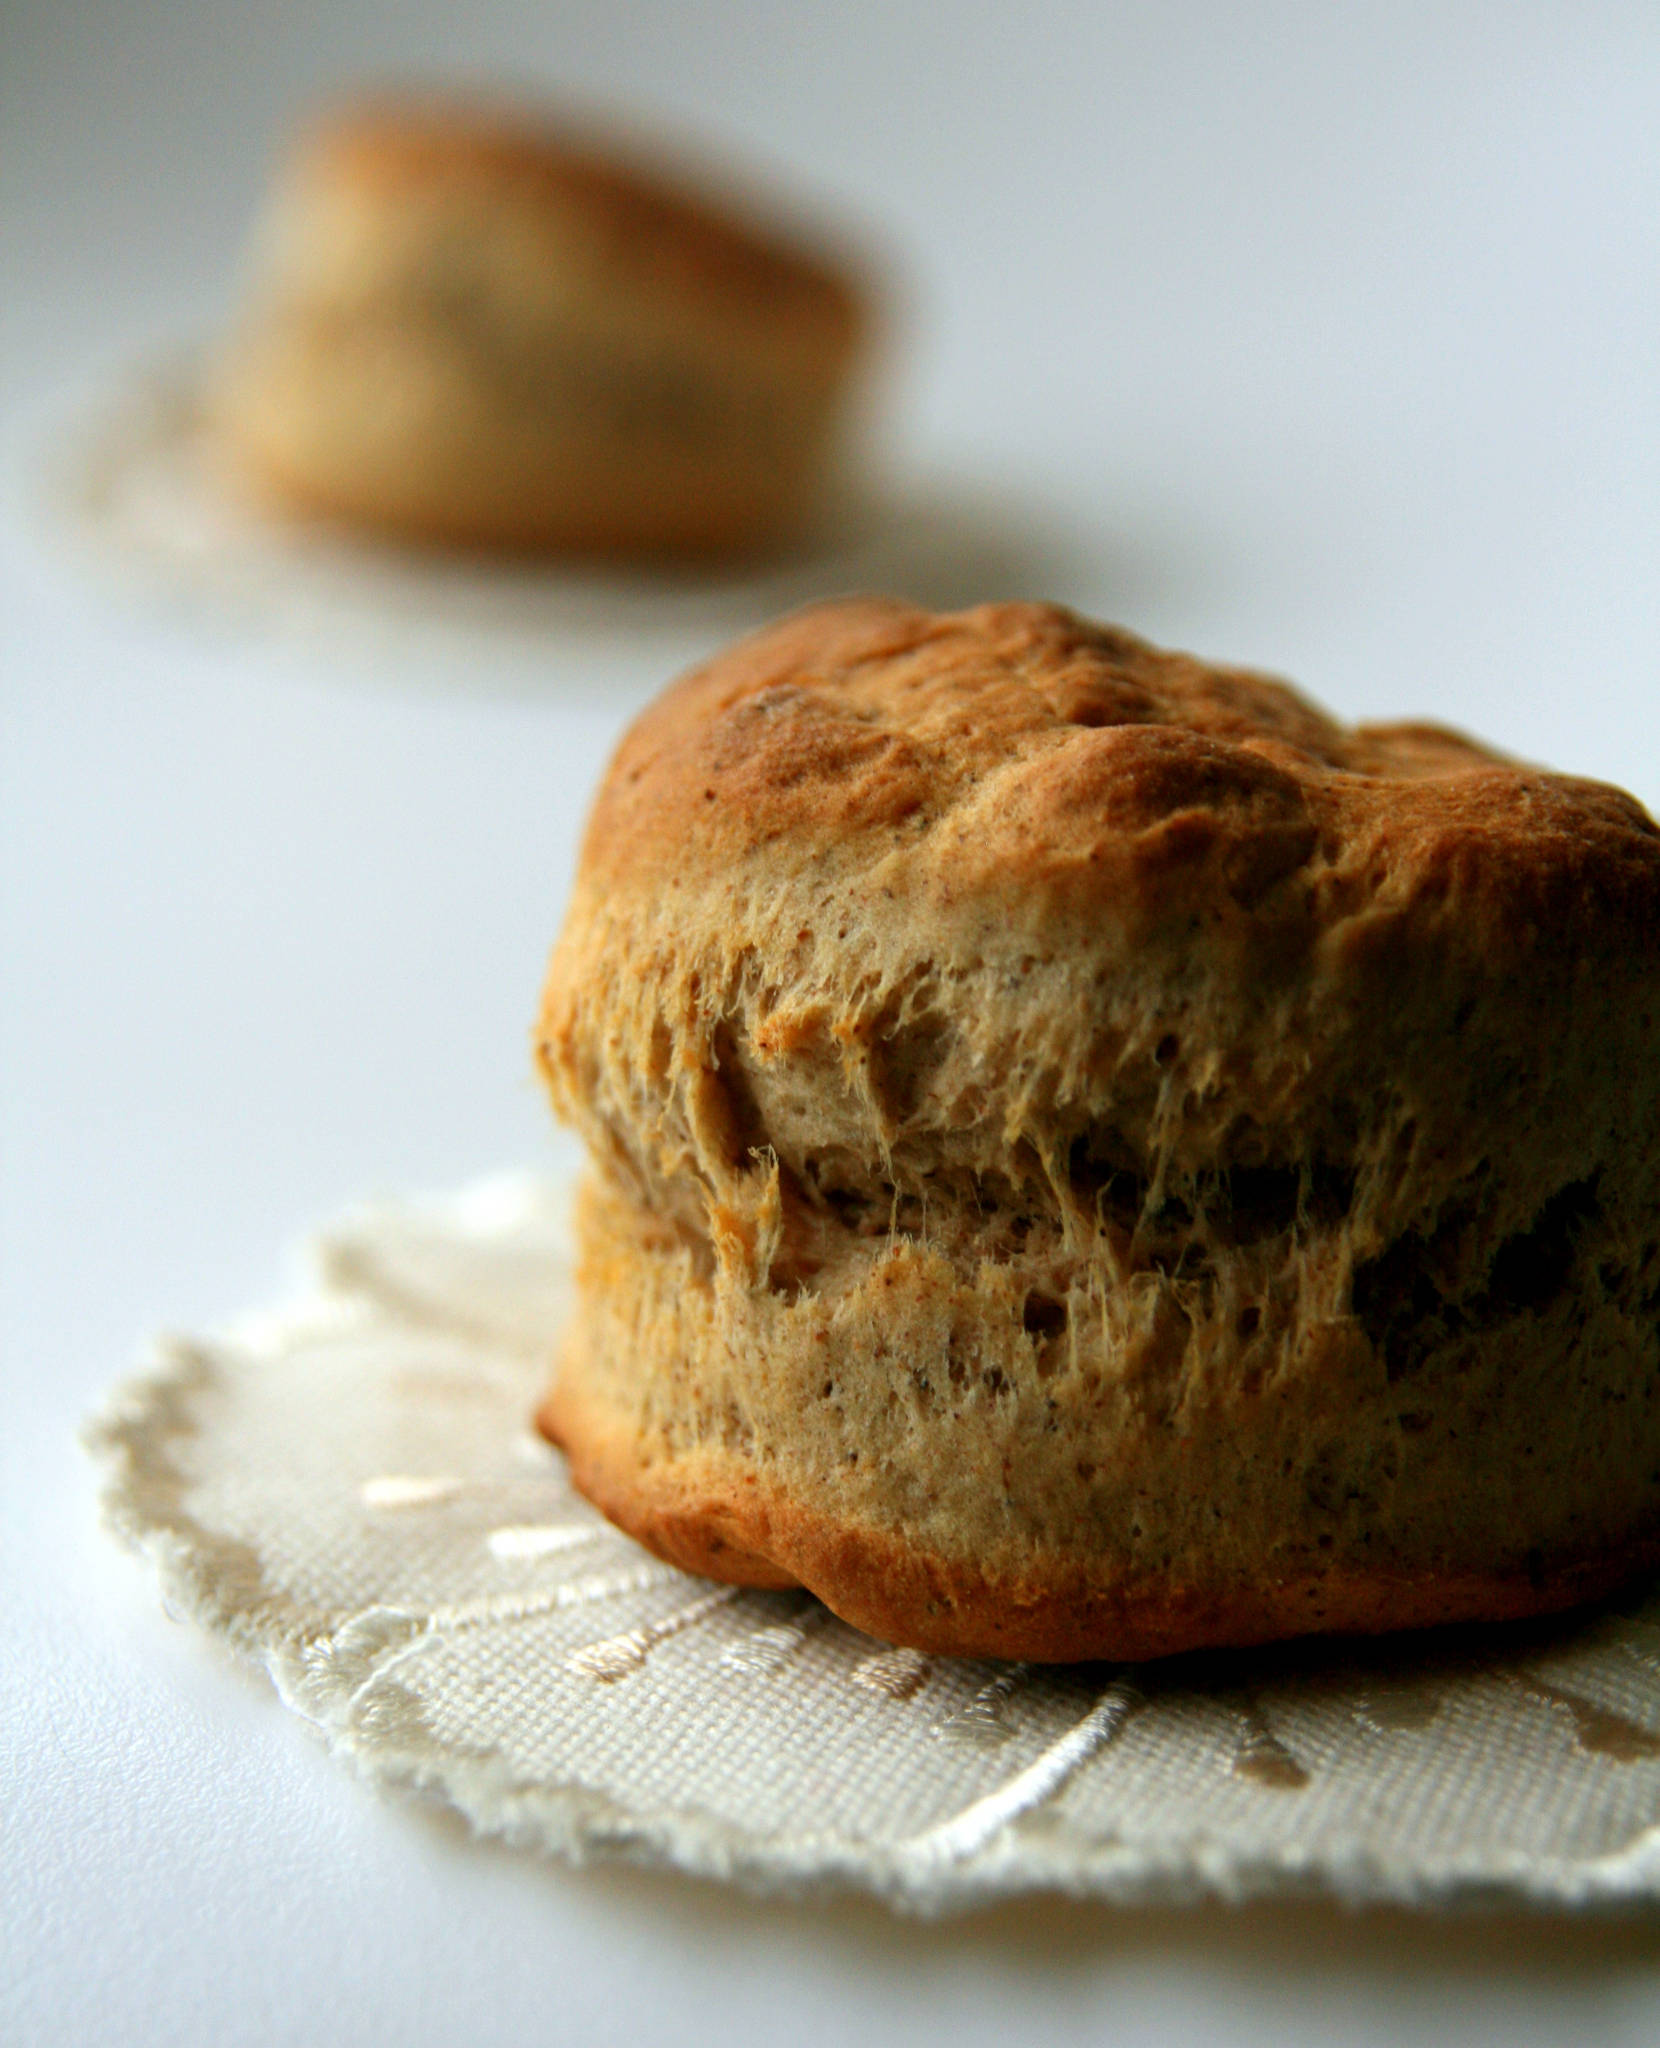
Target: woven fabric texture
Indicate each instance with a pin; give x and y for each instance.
(349, 1491)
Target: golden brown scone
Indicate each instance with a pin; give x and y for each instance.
(470, 330)
(1092, 1158)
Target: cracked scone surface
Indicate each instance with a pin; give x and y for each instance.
(1093, 1158)
(474, 328)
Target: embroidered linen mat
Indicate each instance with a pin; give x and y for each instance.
(350, 1493)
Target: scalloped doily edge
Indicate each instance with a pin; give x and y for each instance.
(130, 1438)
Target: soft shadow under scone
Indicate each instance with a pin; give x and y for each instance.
(1092, 1158)
(472, 328)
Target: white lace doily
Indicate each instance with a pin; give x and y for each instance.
(140, 479)
(350, 1493)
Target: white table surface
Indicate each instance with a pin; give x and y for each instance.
(1323, 337)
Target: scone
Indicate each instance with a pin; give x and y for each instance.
(1092, 1158)
(468, 330)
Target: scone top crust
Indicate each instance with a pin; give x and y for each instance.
(933, 908)
(606, 212)
(1032, 755)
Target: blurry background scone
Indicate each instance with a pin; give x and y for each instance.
(1094, 1158)
(472, 329)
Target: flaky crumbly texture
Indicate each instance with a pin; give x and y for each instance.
(1092, 1158)
(466, 329)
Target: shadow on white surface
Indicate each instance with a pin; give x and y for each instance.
(1046, 1942)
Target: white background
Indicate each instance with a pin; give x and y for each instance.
(1326, 337)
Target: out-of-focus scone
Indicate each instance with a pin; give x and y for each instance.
(469, 330)
(1093, 1158)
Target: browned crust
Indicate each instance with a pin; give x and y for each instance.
(1074, 769)
(655, 219)
(717, 1518)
